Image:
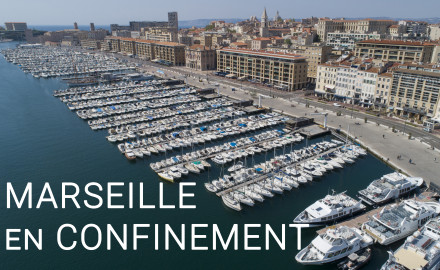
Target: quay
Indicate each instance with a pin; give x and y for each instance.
(313, 131)
(357, 221)
(263, 176)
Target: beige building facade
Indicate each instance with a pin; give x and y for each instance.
(415, 92)
(326, 26)
(395, 50)
(284, 71)
(200, 57)
(171, 52)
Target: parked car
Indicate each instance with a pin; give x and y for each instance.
(427, 129)
(336, 105)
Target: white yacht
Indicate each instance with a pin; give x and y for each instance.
(420, 250)
(400, 220)
(230, 202)
(329, 209)
(210, 187)
(388, 187)
(333, 245)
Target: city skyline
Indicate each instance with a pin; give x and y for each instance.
(106, 13)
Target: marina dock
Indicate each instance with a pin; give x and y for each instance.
(357, 221)
(219, 153)
(262, 177)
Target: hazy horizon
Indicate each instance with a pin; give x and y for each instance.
(50, 12)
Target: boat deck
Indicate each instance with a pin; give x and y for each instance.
(357, 221)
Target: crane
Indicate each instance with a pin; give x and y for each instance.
(325, 117)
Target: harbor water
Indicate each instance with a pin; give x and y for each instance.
(42, 141)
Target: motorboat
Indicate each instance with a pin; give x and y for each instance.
(389, 187)
(329, 209)
(333, 245)
(400, 220)
(421, 250)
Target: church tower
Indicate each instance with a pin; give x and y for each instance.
(277, 17)
(264, 26)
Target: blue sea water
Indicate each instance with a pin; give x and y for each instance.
(63, 27)
(42, 141)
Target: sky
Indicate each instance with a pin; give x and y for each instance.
(102, 12)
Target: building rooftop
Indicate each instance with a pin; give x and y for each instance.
(386, 74)
(239, 43)
(267, 38)
(395, 42)
(147, 41)
(199, 47)
(342, 20)
(418, 72)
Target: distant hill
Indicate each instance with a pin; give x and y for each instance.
(205, 22)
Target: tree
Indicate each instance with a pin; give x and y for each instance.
(209, 27)
(317, 39)
(288, 41)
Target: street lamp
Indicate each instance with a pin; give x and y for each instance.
(404, 126)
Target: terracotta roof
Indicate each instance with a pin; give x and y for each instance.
(394, 26)
(199, 47)
(239, 43)
(280, 29)
(373, 70)
(394, 42)
(267, 38)
(386, 74)
(264, 53)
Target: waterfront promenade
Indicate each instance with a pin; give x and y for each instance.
(379, 139)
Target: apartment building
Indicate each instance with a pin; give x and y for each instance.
(171, 52)
(263, 42)
(91, 44)
(395, 50)
(159, 34)
(15, 26)
(326, 80)
(145, 49)
(382, 91)
(348, 40)
(128, 46)
(434, 32)
(206, 40)
(326, 26)
(415, 91)
(348, 81)
(200, 57)
(284, 71)
(315, 55)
